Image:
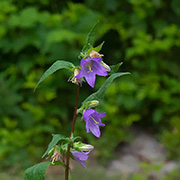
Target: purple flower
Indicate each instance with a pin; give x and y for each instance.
(89, 68)
(80, 156)
(93, 121)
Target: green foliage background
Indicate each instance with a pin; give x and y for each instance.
(145, 35)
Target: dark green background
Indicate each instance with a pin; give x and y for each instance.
(144, 35)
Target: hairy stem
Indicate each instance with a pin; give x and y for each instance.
(71, 135)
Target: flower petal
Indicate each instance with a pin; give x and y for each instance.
(84, 61)
(101, 114)
(101, 124)
(83, 163)
(99, 69)
(90, 78)
(80, 75)
(87, 114)
(98, 119)
(97, 59)
(80, 157)
(87, 126)
(94, 128)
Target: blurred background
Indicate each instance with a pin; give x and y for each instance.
(141, 107)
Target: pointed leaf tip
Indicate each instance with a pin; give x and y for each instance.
(98, 95)
(59, 64)
(114, 68)
(90, 38)
(56, 138)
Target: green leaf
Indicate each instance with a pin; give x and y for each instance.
(56, 163)
(37, 171)
(98, 95)
(97, 48)
(76, 138)
(59, 64)
(114, 68)
(89, 39)
(56, 138)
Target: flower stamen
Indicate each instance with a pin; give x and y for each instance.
(94, 120)
(89, 66)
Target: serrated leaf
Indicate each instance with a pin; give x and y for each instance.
(56, 138)
(37, 171)
(59, 64)
(98, 95)
(114, 68)
(89, 39)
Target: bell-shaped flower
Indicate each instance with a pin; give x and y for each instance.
(93, 121)
(89, 68)
(80, 156)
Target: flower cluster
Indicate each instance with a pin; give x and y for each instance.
(61, 148)
(93, 121)
(90, 67)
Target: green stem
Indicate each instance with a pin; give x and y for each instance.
(71, 135)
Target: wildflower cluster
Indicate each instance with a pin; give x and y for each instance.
(61, 148)
(90, 67)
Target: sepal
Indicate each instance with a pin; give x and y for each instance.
(87, 105)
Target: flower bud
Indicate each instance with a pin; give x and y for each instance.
(94, 103)
(86, 147)
(95, 54)
(83, 147)
(108, 69)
